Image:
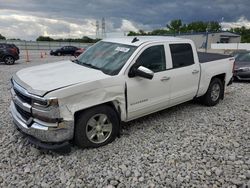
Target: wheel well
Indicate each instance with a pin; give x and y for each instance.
(8, 55)
(111, 104)
(222, 78)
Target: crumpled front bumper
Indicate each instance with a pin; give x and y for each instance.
(41, 130)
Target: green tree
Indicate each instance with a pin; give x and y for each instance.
(214, 26)
(244, 32)
(141, 32)
(200, 26)
(175, 26)
(159, 32)
(197, 26)
(132, 33)
(89, 40)
(44, 38)
(14, 39)
(2, 37)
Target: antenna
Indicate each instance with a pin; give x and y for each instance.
(134, 40)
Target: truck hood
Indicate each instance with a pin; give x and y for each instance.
(42, 79)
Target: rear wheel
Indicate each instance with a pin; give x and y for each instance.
(96, 127)
(9, 60)
(214, 93)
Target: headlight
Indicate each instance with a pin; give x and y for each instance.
(46, 110)
(45, 103)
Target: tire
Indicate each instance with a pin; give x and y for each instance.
(59, 54)
(92, 130)
(9, 60)
(214, 93)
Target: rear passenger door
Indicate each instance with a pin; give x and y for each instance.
(185, 73)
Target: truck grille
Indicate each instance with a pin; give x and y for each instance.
(22, 96)
(26, 115)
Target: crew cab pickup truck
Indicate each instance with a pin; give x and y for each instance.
(116, 80)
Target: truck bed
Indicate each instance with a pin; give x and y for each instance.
(207, 57)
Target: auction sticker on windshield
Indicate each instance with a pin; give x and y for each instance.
(122, 49)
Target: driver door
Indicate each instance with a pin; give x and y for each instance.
(145, 96)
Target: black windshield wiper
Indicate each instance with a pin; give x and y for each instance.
(75, 61)
(85, 64)
(89, 65)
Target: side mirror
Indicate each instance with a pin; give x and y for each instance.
(142, 72)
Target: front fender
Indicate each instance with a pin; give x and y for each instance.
(83, 96)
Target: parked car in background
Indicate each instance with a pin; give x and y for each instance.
(8, 55)
(66, 50)
(79, 52)
(12, 46)
(242, 66)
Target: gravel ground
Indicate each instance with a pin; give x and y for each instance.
(185, 146)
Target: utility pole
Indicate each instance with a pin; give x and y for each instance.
(207, 32)
(103, 28)
(206, 39)
(97, 29)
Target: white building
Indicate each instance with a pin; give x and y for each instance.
(203, 38)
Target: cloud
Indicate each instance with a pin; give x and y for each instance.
(242, 21)
(61, 18)
(128, 26)
(28, 26)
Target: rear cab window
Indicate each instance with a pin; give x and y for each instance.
(182, 55)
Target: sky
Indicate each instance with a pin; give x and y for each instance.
(28, 19)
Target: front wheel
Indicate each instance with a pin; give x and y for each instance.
(214, 93)
(9, 60)
(96, 127)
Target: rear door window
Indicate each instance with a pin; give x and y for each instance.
(182, 55)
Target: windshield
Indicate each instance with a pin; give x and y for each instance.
(244, 57)
(106, 56)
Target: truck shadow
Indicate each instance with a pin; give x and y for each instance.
(168, 112)
(242, 81)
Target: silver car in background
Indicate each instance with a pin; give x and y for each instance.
(242, 66)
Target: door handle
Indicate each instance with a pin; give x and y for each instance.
(165, 78)
(195, 71)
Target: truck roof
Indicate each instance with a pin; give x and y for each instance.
(143, 39)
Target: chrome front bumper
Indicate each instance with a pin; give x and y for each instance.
(43, 131)
(43, 124)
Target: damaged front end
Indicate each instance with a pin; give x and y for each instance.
(39, 118)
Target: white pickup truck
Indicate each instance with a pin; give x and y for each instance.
(116, 80)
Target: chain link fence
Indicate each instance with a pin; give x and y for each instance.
(43, 45)
(39, 50)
